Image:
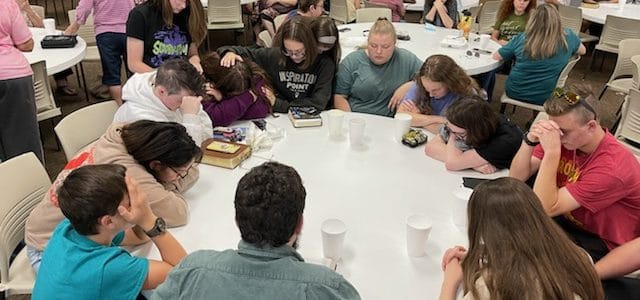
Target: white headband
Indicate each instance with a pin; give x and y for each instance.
(327, 39)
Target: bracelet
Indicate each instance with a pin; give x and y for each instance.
(527, 141)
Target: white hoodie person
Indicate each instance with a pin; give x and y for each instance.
(167, 94)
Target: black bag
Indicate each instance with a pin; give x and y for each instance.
(58, 41)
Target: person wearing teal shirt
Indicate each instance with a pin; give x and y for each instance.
(82, 260)
(269, 203)
(541, 52)
(369, 80)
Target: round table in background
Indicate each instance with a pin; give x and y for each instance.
(599, 15)
(372, 189)
(423, 44)
(57, 59)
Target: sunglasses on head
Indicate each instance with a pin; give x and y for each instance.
(573, 99)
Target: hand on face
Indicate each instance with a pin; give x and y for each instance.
(540, 127)
(139, 212)
(269, 94)
(191, 104)
(212, 91)
(549, 134)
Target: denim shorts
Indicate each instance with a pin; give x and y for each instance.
(113, 49)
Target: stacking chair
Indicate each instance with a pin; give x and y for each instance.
(278, 20)
(571, 17)
(628, 132)
(265, 39)
(224, 15)
(23, 183)
(562, 79)
(87, 33)
(487, 16)
(371, 14)
(623, 78)
(615, 30)
(93, 120)
(39, 10)
(369, 4)
(338, 11)
(636, 72)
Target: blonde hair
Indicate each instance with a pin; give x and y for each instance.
(383, 26)
(544, 33)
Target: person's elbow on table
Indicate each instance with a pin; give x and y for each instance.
(26, 46)
(340, 102)
(496, 55)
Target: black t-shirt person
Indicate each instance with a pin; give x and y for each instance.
(161, 42)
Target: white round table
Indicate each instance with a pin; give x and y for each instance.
(423, 44)
(205, 3)
(372, 190)
(462, 4)
(57, 59)
(599, 15)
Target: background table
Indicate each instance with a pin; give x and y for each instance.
(462, 4)
(57, 59)
(372, 190)
(599, 15)
(423, 44)
(205, 3)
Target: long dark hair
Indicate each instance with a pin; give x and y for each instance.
(519, 251)
(476, 116)
(196, 24)
(296, 29)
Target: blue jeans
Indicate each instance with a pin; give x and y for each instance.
(113, 50)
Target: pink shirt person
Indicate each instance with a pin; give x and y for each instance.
(108, 15)
(13, 31)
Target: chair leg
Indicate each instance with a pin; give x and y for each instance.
(55, 136)
(503, 107)
(593, 59)
(602, 93)
(604, 55)
(84, 83)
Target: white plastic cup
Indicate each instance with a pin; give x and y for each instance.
(356, 132)
(418, 229)
(484, 41)
(49, 26)
(336, 117)
(402, 123)
(333, 232)
(461, 197)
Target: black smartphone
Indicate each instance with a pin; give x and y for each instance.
(470, 182)
(261, 124)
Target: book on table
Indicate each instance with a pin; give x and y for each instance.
(304, 116)
(224, 154)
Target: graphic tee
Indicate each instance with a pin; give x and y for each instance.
(161, 41)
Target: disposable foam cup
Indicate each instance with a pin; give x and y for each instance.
(461, 197)
(49, 26)
(402, 122)
(418, 229)
(484, 41)
(333, 232)
(336, 118)
(356, 131)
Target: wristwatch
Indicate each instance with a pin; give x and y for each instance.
(159, 228)
(527, 141)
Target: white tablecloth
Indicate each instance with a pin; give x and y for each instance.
(423, 44)
(57, 59)
(372, 190)
(598, 15)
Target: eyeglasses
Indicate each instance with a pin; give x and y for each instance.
(299, 54)
(573, 99)
(461, 136)
(473, 53)
(184, 174)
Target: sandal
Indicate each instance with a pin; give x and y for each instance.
(67, 91)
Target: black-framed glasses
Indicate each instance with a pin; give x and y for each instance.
(572, 99)
(473, 53)
(299, 54)
(183, 174)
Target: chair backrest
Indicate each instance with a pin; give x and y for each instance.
(265, 39)
(636, 72)
(372, 14)
(369, 4)
(23, 185)
(617, 29)
(278, 20)
(629, 128)
(570, 17)
(338, 11)
(83, 126)
(487, 16)
(624, 66)
(562, 79)
(45, 103)
(224, 11)
(86, 31)
(39, 10)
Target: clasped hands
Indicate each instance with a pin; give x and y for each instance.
(548, 133)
